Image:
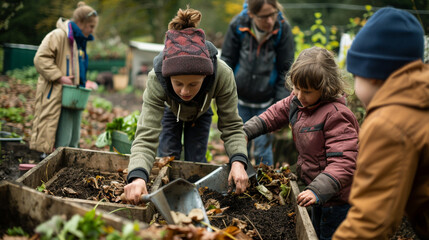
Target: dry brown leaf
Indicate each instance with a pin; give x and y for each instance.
(211, 202)
(180, 218)
(233, 230)
(251, 233)
(161, 162)
(262, 206)
(165, 180)
(196, 214)
(239, 223)
(68, 190)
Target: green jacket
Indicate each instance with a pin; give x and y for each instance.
(220, 86)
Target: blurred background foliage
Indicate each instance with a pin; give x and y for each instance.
(28, 21)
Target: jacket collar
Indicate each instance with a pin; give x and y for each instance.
(408, 86)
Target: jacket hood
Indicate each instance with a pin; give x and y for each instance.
(205, 88)
(62, 24)
(408, 86)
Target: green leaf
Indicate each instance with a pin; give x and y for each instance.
(16, 231)
(285, 191)
(102, 140)
(50, 227)
(41, 187)
(72, 227)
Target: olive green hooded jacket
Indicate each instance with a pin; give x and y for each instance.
(220, 87)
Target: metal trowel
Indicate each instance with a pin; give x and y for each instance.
(218, 179)
(179, 196)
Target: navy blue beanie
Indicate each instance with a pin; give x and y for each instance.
(389, 40)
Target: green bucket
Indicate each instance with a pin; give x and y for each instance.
(75, 97)
(121, 142)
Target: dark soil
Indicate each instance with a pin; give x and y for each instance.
(278, 222)
(13, 154)
(87, 184)
(109, 186)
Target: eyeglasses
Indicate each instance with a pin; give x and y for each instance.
(272, 15)
(93, 13)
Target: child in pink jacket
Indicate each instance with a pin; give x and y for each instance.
(325, 132)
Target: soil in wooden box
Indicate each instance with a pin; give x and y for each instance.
(87, 184)
(264, 211)
(252, 212)
(90, 184)
(277, 222)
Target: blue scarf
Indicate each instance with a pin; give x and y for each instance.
(81, 40)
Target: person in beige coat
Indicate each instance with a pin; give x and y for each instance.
(61, 59)
(392, 173)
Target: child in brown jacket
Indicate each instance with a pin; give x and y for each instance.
(392, 173)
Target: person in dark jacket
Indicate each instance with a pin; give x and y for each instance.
(325, 132)
(259, 47)
(187, 75)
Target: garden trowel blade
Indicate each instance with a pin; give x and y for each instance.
(179, 196)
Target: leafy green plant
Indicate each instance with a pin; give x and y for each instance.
(108, 49)
(92, 75)
(89, 226)
(355, 24)
(27, 75)
(319, 32)
(12, 114)
(16, 231)
(99, 102)
(127, 125)
(318, 35)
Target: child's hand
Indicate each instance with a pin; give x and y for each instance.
(306, 198)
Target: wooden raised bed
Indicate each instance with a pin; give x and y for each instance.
(24, 207)
(304, 227)
(187, 170)
(111, 162)
(108, 162)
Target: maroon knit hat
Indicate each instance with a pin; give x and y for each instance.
(185, 53)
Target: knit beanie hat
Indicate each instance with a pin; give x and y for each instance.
(185, 53)
(389, 40)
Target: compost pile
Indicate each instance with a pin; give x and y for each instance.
(88, 184)
(94, 185)
(265, 211)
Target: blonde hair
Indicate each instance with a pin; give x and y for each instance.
(84, 13)
(188, 18)
(316, 68)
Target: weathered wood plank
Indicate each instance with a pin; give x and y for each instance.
(304, 227)
(28, 208)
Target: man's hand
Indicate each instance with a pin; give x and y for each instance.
(238, 176)
(306, 198)
(66, 80)
(134, 190)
